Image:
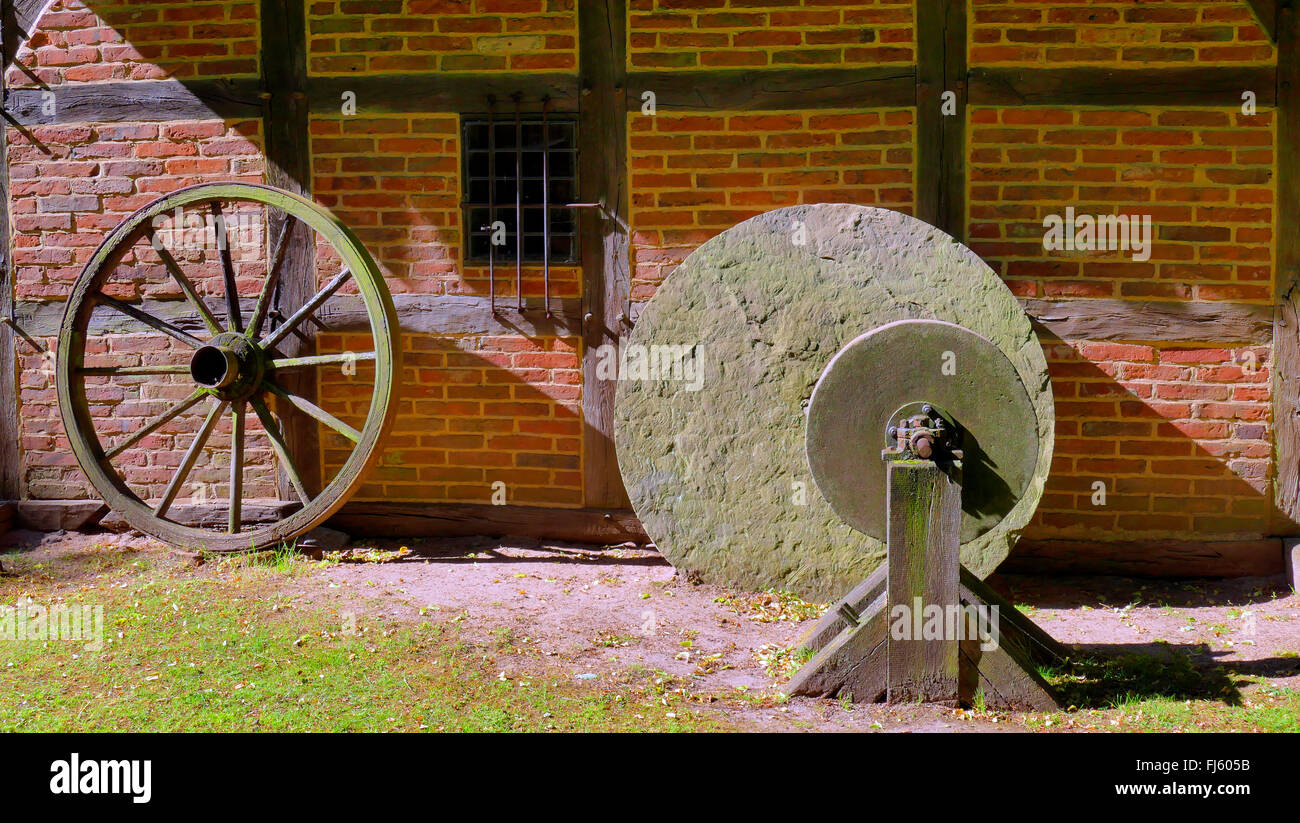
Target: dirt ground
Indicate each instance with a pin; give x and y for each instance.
(617, 615)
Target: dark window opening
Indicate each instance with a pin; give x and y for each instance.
(534, 160)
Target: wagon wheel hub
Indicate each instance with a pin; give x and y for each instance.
(231, 365)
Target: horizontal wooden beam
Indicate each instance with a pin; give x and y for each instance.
(135, 101)
(361, 518)
(417, 314)
(1152, 320)
(165, 100)
(773, 89)
(1077, 319)
(465, 519)
(1091, 318)
(443, 93)
(778, 89)
(1148, 558)
(1199, 86)
(462, 314)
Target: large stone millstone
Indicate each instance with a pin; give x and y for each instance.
(718, 475)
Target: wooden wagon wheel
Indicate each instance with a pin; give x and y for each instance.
(233, 362)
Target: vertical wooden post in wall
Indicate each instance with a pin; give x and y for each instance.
(288, 157)
(941, 120)
(1286, 313)
(606, 276)
(10, 453)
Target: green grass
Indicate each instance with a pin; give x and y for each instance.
(236, 646)
(1166, 693)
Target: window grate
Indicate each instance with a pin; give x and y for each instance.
(520, 171)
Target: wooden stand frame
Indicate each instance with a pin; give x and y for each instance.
(866, 647)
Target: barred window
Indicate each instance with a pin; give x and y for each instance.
(514, 172)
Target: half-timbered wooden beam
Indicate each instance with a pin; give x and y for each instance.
(1084, 318)
(135, 101)
(774, 89)
(10, 451)
(1286, 319)
(288, 159)
(1198, 86)
(1162, 321)
(941, 115)
(604, 241)
(815, 88)
(416, 519)
(446, 314)
(443, 93)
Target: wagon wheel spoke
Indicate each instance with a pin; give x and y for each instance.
(191, 456)
(187, 287)
(322, 360)
(149, 320)
(158, 422)
(272, 276)
(111, 371)
(315, 411)
(281, 448)
(227, 268)
(236, 516)
(307, 308)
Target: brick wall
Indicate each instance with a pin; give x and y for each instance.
(474, 410)
(1116, 32)
(1178, 436)
(136, 40)
(692, 176)
(378, 36)
(1204, 175)
(685, 34)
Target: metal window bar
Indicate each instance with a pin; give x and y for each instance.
(546, 209)
(492, 203)
(519, 207)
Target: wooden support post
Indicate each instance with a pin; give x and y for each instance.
(1286, 318)
(606, 273)
(940, 116)
(867, 646)
(288, 157)
(924, 554)
(10, 453)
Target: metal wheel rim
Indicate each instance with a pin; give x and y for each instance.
(78, 422)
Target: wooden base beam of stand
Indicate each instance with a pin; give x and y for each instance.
(854, 652)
